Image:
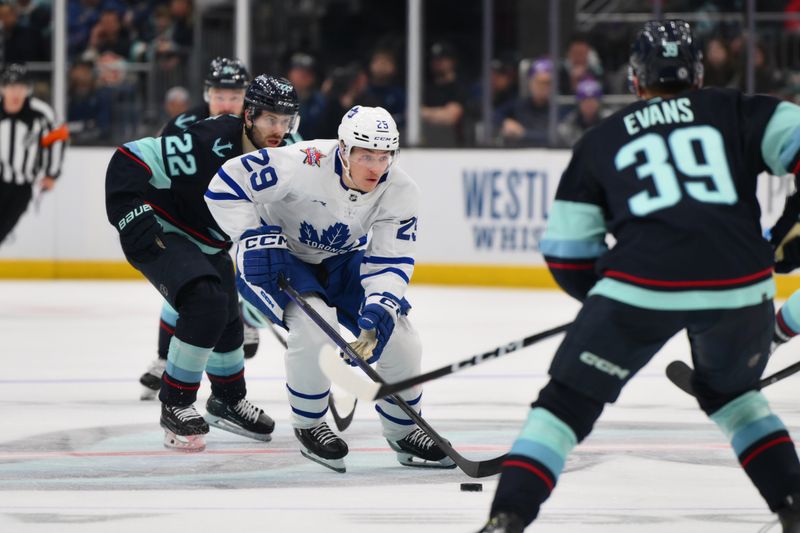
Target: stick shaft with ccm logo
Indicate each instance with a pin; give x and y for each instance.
(371, 391)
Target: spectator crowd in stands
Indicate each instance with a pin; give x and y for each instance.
(111, 43)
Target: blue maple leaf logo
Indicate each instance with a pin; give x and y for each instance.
(336, 236)
(308, 233)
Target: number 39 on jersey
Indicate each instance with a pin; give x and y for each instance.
(696, 152)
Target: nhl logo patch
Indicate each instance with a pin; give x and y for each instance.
(312, 156)
(353, 197)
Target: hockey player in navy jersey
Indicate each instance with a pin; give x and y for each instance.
(154, 197)
(306, 211)
(673, 179)
(223, 94)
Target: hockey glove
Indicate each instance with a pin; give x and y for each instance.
(262, 255)
(783, 236)
(140, 234)
(376, 321)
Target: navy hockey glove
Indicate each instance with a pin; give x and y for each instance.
(783, 236)
(140, 234)
(262, 255)
(377, 319)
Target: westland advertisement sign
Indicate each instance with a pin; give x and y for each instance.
(505, 208)
(484, 207)
(490, 207)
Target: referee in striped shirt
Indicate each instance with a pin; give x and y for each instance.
(31, 146)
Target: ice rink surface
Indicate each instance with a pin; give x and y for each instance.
(80, 453)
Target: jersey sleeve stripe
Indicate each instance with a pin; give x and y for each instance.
(124, 150)
(569, 220)
(571, 266)
(376, 260)
(781, 140)
(233, 185)
(221, 196)
(388, 295)
(397, 271)
(788, 154)
(567, 249)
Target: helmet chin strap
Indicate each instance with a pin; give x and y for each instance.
(344, 157)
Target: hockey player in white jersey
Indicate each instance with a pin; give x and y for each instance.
(338, 218)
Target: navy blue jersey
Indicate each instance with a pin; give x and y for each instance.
(173, 175)
(674, 182)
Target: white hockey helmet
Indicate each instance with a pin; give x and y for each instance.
(369, 127)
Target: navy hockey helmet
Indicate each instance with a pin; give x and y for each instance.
(14, 73)
(664, 54)
(274, 95)
(270, 93)
(227, 73)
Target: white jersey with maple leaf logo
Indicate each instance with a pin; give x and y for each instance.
(300, 189)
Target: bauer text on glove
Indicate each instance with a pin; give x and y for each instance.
(140, 234)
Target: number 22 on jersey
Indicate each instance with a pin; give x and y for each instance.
(657, 166)
(179, 155)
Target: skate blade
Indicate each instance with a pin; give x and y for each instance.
(337, 465)
(407, 459)
(221, 423)
(184, 443)
(148, 394)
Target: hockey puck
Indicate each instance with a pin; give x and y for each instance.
(471, 487)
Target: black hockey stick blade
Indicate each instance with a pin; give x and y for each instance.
(369, 391)
(471, 468)
(342, 422)
(680, 374)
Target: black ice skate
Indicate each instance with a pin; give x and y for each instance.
(151, 379)
(323, 446)
(183, 428)
(251, 340)
(243, 418)
(418, 449)
(503, 523)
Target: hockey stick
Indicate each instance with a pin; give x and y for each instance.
(471, 468)
(369, 391)
(342, 422)
(680, 374)
(277, 334)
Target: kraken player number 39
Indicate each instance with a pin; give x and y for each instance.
(682, 145)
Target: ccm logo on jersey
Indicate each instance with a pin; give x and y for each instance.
(138, 211)
(265, 241)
